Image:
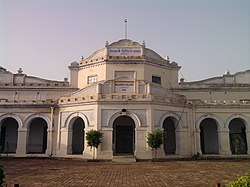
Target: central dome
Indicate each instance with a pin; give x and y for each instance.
(125, 43)
(126, 50)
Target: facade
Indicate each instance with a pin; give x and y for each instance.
(125, 90)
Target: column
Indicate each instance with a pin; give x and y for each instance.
(49, 142)
(63, 147)
(88, 152)
(224, 142)
(141, 151)
(105, 150)
(198, 141)
(248, 141)
(21, 142)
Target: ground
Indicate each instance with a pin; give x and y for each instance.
(65, 172)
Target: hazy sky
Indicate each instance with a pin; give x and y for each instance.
(205, 37)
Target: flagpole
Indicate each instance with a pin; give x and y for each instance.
(125, 21)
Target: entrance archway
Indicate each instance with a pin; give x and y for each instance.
(124, 135)
(8, 139)
(77, 136)
(37, 139)
(169, 137)
(209, 136)
(237, 136)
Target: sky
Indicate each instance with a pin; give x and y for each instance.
(205, 37)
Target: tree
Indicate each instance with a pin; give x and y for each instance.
(94, 139)
(155, 140)
(238, 144)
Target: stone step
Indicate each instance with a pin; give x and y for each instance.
(124, 159)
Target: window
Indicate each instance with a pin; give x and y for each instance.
(156, 79)
(92, 79)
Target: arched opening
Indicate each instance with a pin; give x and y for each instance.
(209, 136)
(37, 139)
(9, 133)
(76, 136)
(124, 135)
(169, 138)
(237, 135)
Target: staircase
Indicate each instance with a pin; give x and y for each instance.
(124, 159)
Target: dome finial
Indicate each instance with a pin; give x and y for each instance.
(20, 71)
(106, 44)
(227, 72)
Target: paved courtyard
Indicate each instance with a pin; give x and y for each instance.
(64, 172)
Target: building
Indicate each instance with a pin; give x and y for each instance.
(126, 90)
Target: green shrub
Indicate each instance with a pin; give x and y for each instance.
(94, 139)
(242, 181)
(155, 140)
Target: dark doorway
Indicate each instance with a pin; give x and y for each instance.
(8, 139)
(169, 136)
(124, 135)
(78, 136)
(209, 136)
(37, 141)
(237, 135)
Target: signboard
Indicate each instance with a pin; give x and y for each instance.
(124, 87)
(125, 51)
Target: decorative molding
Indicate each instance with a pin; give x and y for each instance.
(220, 123)
(157, 117)
(14, 116)
(180, 118)
(87, 117)
(105, 116)
(37, 115)
(142, 115)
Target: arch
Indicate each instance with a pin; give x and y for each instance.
(173, 115)
(241, 116)
(169, 137)
(37, 135)
(9, 135)
(124, 135)
(69, 122)
(29, 119)
(76, 136)
(209, 136)
(213, 116)
(14, 116)
(237, 136)
(130, 114)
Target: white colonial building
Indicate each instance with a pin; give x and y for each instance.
(125, 90)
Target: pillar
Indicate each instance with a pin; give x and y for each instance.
(224, 142)
(21, 142)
